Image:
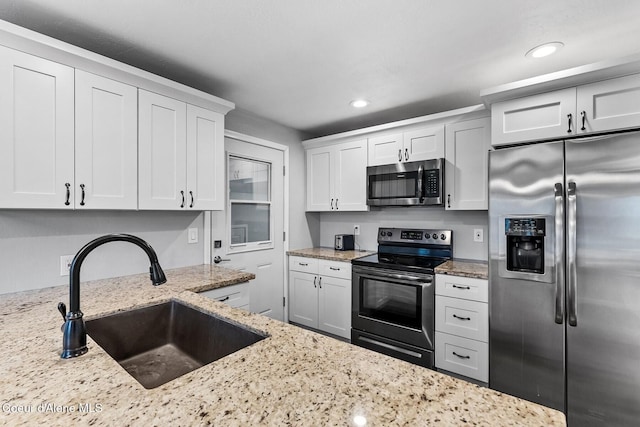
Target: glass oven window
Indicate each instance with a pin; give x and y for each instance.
(391, 302)
(393, 185)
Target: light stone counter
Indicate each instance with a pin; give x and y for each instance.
(330, 254)
(475, 269)
(294, 377)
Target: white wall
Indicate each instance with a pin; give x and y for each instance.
(461, 222)
(32, 241)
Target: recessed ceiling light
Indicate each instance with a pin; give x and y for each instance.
(544, 50)
(359, 103)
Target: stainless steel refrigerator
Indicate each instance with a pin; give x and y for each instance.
(564, 266)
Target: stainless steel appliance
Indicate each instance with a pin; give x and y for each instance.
(406, 184)
(565, 276)
(343, 242)
(393, 293)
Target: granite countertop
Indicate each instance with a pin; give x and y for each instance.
(293, 377)
(330, 254)
(474, 269)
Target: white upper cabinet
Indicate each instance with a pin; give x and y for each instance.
(162, 147)
(601, 106)
(336, 177)
(106, 154)
(205, 159)
(423, 144)
(544, 116)
(609, 104)
(36, 132)
(181, 155)
(466, 169)
(420, 144)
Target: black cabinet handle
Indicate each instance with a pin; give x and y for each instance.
(334, 268)
(461, 318)
(331, 204)
(314, 281)
(191, 194)
(224, 299)
(182, 194)
(466, 288)
(320, 283)
(583, 114)
(336, 204)
(448, 200)
(569, 118)
(82, 196)
(406, 154)
(66, 202)
(400, 154)
(460, 356)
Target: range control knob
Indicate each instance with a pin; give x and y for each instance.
(442, 236)
(435, 236)
(389, 233)
(383, 233)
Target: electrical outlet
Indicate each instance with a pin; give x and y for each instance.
(193, 235)
(65, 264)
(356, 230)
(478, 235)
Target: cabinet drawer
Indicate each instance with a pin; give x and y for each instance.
(462, 356)
(234, 295)
(306, 265)
(337, 269)
(468, 319)
(462, 287)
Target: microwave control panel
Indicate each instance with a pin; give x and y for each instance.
(432, 183)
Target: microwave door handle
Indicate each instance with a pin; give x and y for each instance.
(420, 188)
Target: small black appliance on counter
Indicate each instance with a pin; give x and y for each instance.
(343, 242)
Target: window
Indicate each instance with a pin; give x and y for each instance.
(249, 204)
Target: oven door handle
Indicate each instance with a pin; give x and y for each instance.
(396, 276)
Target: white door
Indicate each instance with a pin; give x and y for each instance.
(36, 132)
(106, 143)
(255, 222)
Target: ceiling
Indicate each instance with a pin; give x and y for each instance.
(300, 62)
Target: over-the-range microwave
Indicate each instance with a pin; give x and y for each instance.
(406, 184)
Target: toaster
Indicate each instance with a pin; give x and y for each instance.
(343, 242)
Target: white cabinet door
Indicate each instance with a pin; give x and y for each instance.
(608, 105)
(423, 144)
(544, 116)
(466, 170)
(350, 188)
(319, 179)
(162, 152)
(205, 159)
(36, 132)
(385, 149)
(303, 292)
(106, 148)
(334, 306)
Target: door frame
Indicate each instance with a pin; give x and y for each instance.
(208, 226)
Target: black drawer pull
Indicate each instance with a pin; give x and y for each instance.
(461, 318)
(461, 357)
(466, 288)
(304, 264)
(334, 269)
(224, 299)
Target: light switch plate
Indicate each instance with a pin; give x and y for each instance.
(193, 235)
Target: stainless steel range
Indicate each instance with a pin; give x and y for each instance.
(393, 293)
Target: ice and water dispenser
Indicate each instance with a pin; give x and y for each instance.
(525, 244)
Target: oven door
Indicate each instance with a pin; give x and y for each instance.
(394, 304)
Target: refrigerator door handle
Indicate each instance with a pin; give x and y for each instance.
(559, 255)
(572, 286)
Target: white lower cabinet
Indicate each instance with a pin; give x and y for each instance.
(462, 326)
(320, 294)
(235, 295)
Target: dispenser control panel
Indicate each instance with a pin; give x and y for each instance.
(524, 226)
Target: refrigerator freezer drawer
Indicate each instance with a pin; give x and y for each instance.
(468, 319)
(462, 356)
(462, 287)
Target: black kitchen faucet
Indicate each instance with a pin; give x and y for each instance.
(74, 342)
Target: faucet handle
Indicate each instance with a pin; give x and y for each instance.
(62, 308)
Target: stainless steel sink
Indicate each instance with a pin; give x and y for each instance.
(159, 343)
